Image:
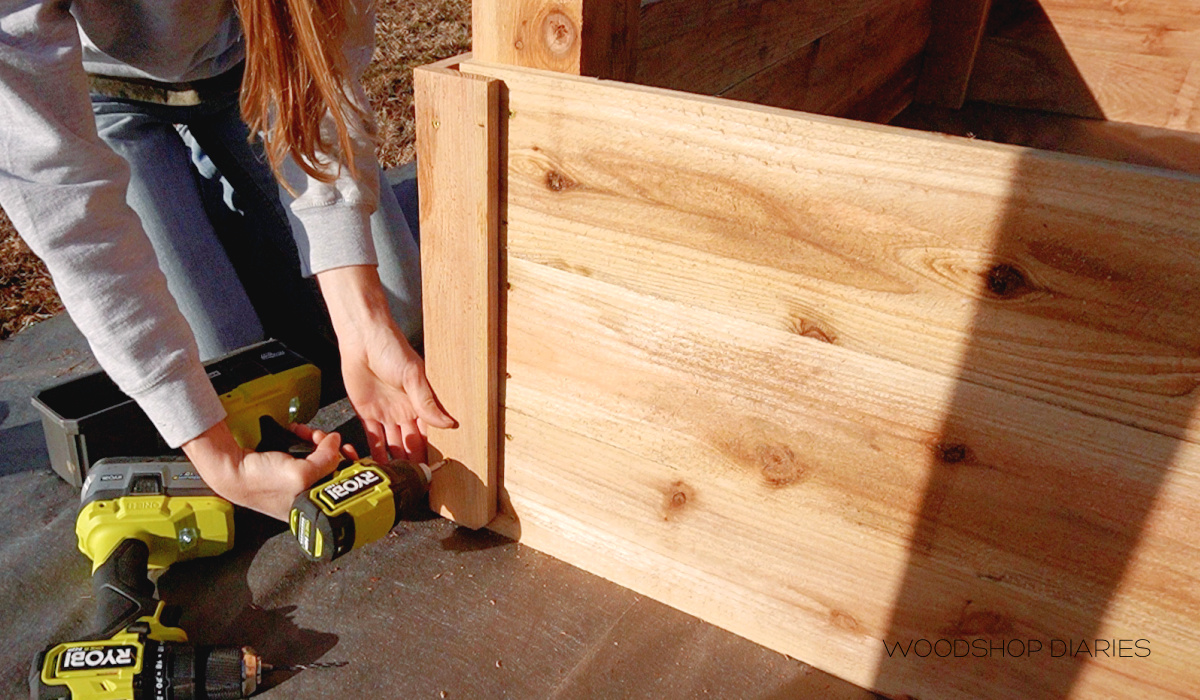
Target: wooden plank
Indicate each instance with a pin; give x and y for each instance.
(1129, 61)
(457, 124)
(1167, 28)
(778, 486)
(1097, 84)
(950, 57)
(831, 384)
(610, 39)
(1117, 141)
(871, 238)
(581, 37)
(708, 47)
(1186, 115)
(865, 69)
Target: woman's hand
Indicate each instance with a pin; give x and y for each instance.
(267, 482)
(385, 378)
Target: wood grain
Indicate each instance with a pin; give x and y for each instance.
(458, 161)
(1095, 138)
(950, 56)
(865, 69)
(1124, 61)
(874, 239)
(581, 37)
(1168, 28)
(774, 484)
(1132, 88)
(710, 46)
(832, 385)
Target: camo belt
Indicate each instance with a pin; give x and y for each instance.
(189, 94)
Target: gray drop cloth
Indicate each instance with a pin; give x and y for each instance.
(430, 609)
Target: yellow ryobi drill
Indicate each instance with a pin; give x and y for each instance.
(137, 515)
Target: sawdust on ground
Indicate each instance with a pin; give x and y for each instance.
(409, 33)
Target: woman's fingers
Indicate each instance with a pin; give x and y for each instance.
(405, 441)
(414, 441)
(302, 431)
(328, 453)
(424, 401)
(395, 439)
(376, 439)
(315, 436)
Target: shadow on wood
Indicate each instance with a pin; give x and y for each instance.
(1023, 62)
(1037, 514)
(831, 385)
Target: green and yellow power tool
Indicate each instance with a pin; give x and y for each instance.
(359, 503)
(138, 515)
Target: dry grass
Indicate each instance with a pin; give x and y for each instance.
(26, 292)
(410, 33)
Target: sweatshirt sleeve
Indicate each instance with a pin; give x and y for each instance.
(65, 191)
(331, 221)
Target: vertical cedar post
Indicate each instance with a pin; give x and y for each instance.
(458, 142)
(958, 27)
(596, 38)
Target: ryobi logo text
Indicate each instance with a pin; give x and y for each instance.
(341, 491)
(91, 658)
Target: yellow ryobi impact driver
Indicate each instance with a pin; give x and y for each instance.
(360, 502)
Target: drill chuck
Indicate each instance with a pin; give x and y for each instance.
(184, 672)
(132, 665)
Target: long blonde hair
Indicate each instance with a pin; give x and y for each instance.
(295, 76)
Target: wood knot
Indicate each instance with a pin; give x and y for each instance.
(779, 465)
(559, 33)
(844, 620)
(558, 182)
(1007, 282)
(948, 452)
(676, 497)
(809, 329)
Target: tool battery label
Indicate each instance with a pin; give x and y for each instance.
(341, 491)
(98, 658)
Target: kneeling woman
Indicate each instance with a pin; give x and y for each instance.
(185, 168)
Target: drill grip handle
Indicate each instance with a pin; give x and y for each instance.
(122, 588)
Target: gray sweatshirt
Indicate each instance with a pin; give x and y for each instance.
(65, 189)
